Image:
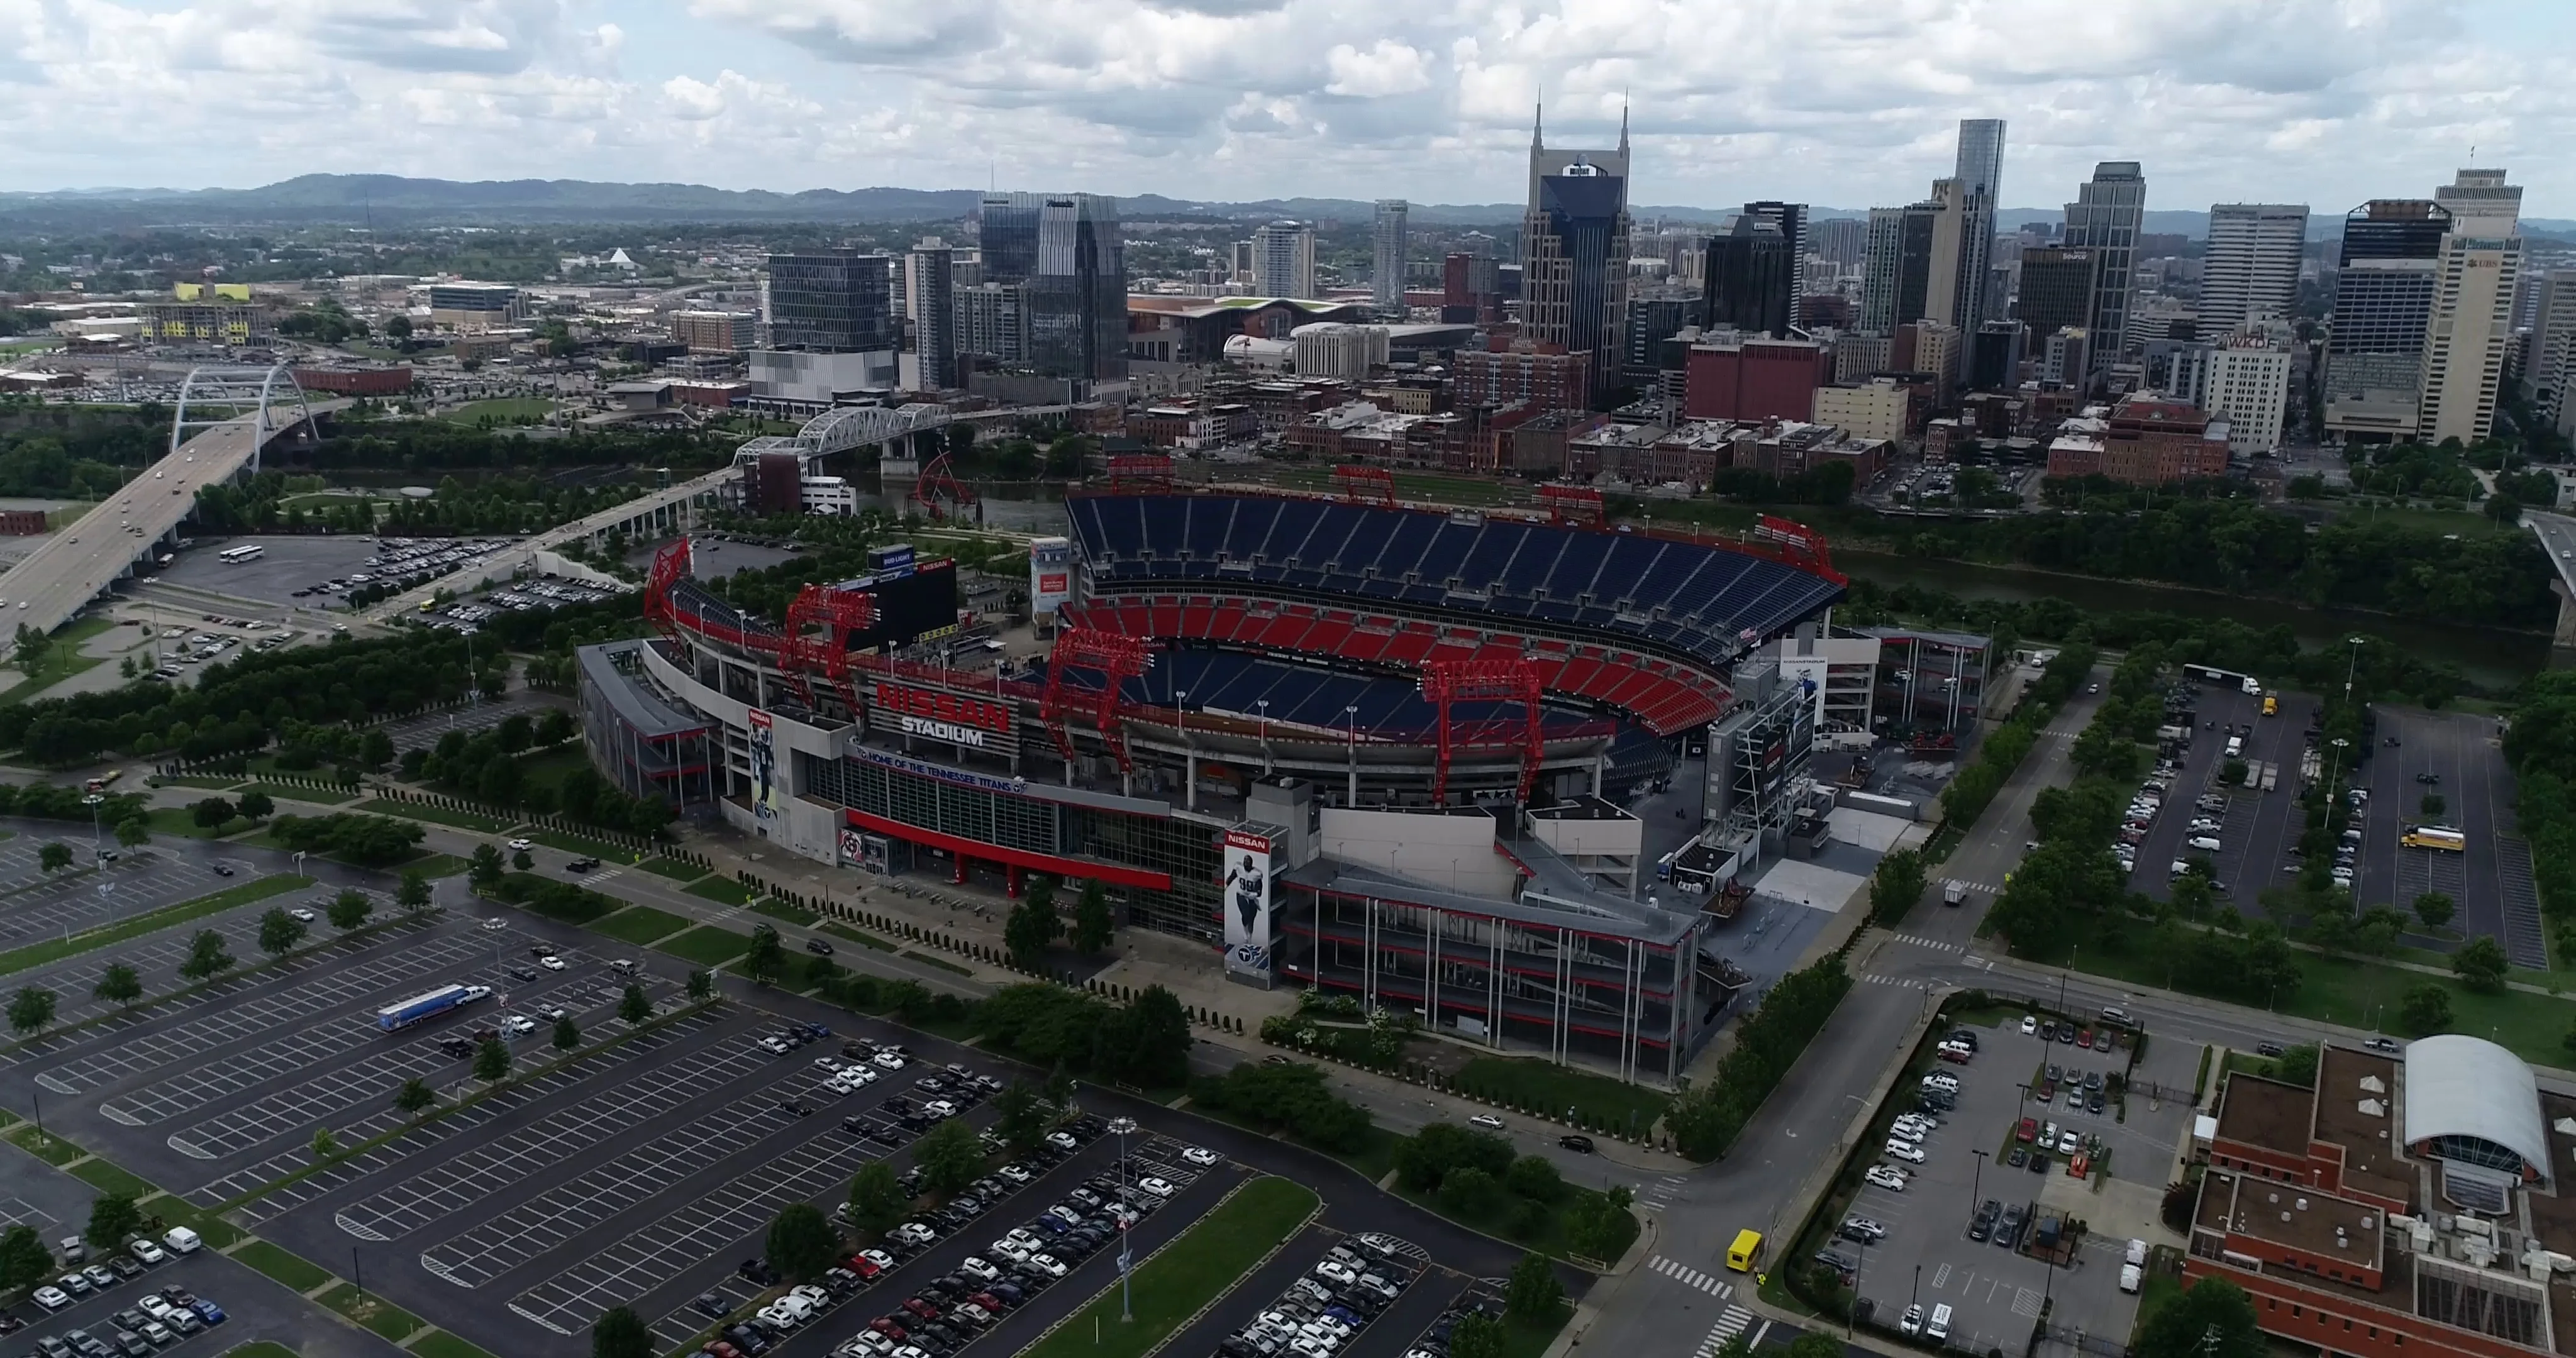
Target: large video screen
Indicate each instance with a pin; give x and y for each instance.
(914, 605)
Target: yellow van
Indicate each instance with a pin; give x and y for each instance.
(1739, 1256)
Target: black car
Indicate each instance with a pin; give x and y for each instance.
(223, 869)
(748, 1338)
(522, 973)
(710, 1305)
(2038, 1162)
(582, 865)
(2016, 1157)
(759, 1271)
(1580, 1145)
(816, 945)
(795, 1107)
(2428, 779)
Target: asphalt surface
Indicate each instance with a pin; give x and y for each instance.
(2491, 882)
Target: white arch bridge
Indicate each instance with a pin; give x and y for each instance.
(894, 431)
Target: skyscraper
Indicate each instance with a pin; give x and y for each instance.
(1751, 280)
(831, 301)
(1980, 173)
(1947, 285)
(1790, 219)
(2553, 360)
(2056, 290)
(2106, 215)
(1574, 252)
(2252, 266)
(1897, 277)
(1064, 250)
(2383, 304)
(2471, 326)
(2482, 204)
(1283, 260)
(930, 296)
(1387, 234)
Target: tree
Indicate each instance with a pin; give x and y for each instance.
(491, 1061)
(768, 955)
(949, 1157)
(208, 956)
(702, 985)
(325, 1145)
(112, 1217)
(133, 833)
(523, 860)
(485, 869)
(413, 893)
(621, 1334)
(279, 932)
(376, 751)
(1093, 925)
(119, 984)
(1154, 1050)
(634, 1006)
(1033, 924)
(1535, 1177)
(1470, 1192)
(567, 1034)
(1815, 1345)
(1533, 1292)
(2214, 1319)
(1896, 886)
(2426, 1008)
(24, 1259)
(398, 327)
(2481, 965)
(256, 805)
(877, 1199)
(30, 1010)
(2434, 908)
(415, 1096)
(211, 813)
(32, 646)
(1477, 1336)
(1020, 1117)
(802, 1243)
(350, 908)
(2504, 508)
(54, 856)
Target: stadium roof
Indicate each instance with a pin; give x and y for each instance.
(2460, 1086)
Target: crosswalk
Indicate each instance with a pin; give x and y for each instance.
(1900, 982)
(1656, 1196)
(1728, 1326)
(601, 876)
(1690, 1277)
(1988, 888)
(1934, 944)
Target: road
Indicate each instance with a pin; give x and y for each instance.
(76, 565)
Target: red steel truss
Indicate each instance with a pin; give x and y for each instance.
(1140, 471)
(1573, 504)
(1365, 485)
(670, 567)
(820, 623)
(1117, 657)
(938, 482)
(1795, 544)
(1453, 681)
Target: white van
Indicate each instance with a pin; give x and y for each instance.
(2235, 746)
(1939, 1328)
(181, 1240)
(2137, 1248)
(2204, 843)
(2130, 1276)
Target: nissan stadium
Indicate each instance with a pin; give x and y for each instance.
(1511, 771)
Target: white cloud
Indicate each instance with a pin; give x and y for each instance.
(1839, 102)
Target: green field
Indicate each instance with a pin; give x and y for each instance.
(372, 1312)
(436, 865)
(572, 843)
(53, 1150)
(640, 924)
(673, 868)
(284, 1267)
(781, 910)
(62, 660)
(1197, 1267)
(722, 890)
(312, 795)
(265, 1349)
(860, 936)
(506, 410)
(706, 945)
(109, 1178)
(179, 823)
(51, 950)
(940, 962)
(436, 815)
(1556, 1091)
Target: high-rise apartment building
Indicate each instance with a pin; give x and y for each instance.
(2108, 211)
(2251, 269)
(1946, 284)
(992, 321)
(1898, 277)
(831, 302)
(2384, 284)
(1283, 260)
(2471, 326)
(1574, 252)
(2248, 386)
(1842, 241)
(1752, 277)
(2056, 289)
(714, 332)
(930, 298)
(1980, 173)
(2553, 348)
(1065, 253)
(1387, 234)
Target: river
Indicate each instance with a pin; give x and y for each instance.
(2491, 659)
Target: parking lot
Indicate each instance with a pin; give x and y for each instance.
(1925, 1251)
(424, 730)
(287, 563)
(2257, 829)
(2491, 880)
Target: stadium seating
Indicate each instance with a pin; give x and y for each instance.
(1704, 601)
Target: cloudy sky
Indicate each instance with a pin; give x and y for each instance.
(1838, 102)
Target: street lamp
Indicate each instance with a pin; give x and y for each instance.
(1351, 731)
(93, 801)
(1976, 1183)
(1126, 1255)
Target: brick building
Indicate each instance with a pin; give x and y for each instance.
(2145, 440)
(1732, 378)
(1545, 375)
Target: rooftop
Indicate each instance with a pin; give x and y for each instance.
(2266, 1113)
(2315, 1223)
(2356, 1109)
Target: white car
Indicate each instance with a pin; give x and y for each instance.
(302, 914)
(522, 845)
(1887, 1177)
(2030, 1025)
(914, 1233)
(887, 1061)
(553, 963)
(1200, 1155)
(517, 1025)
(975, 1266)
(779, 1315)
(1046, 1264)
(1487, 1121)
(1339, 1275)
(1012, 1250)
(495, 925)
(52, 1298)
(1902, 1132)
(1159, 1187)
(148, 1252)
(1905, 1150)
(1063, 1141)
(2068, 1143)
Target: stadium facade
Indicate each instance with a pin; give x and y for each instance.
(1341, 741)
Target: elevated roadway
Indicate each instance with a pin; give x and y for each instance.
(63, 574)
(2557, 534)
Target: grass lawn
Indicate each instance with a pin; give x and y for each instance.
(723, 890)
(436, 815)
(547, 768)
(218, 1233)
(570, 843)
(373, 1312)
(53, 1150)
(441, 1344)
(505, 410)
(437, 865)
(673, 868)
(793, 914)
(940, 962)
(2155, 1292)
(179, 822)
(37, 954)
(1200, 1265)
(284, 1267)
(860, 936)
(1597, 1101)
(1521, 1338)
(706, 945)
(109, 1178)
(640, 924)
(213, 783)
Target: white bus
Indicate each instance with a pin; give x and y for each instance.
(237, 555)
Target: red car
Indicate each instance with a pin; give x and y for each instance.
(890, 1328)
(989, 1302)
(717, 1348)
(921, 1308)
(2027, 1131)
(862, 1265)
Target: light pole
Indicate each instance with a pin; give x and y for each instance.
(1351, 730)
(1126, 1255)
(1264, 705)
(1976, 1186)
(93, 801)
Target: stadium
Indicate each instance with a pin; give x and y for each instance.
(1420, 755)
